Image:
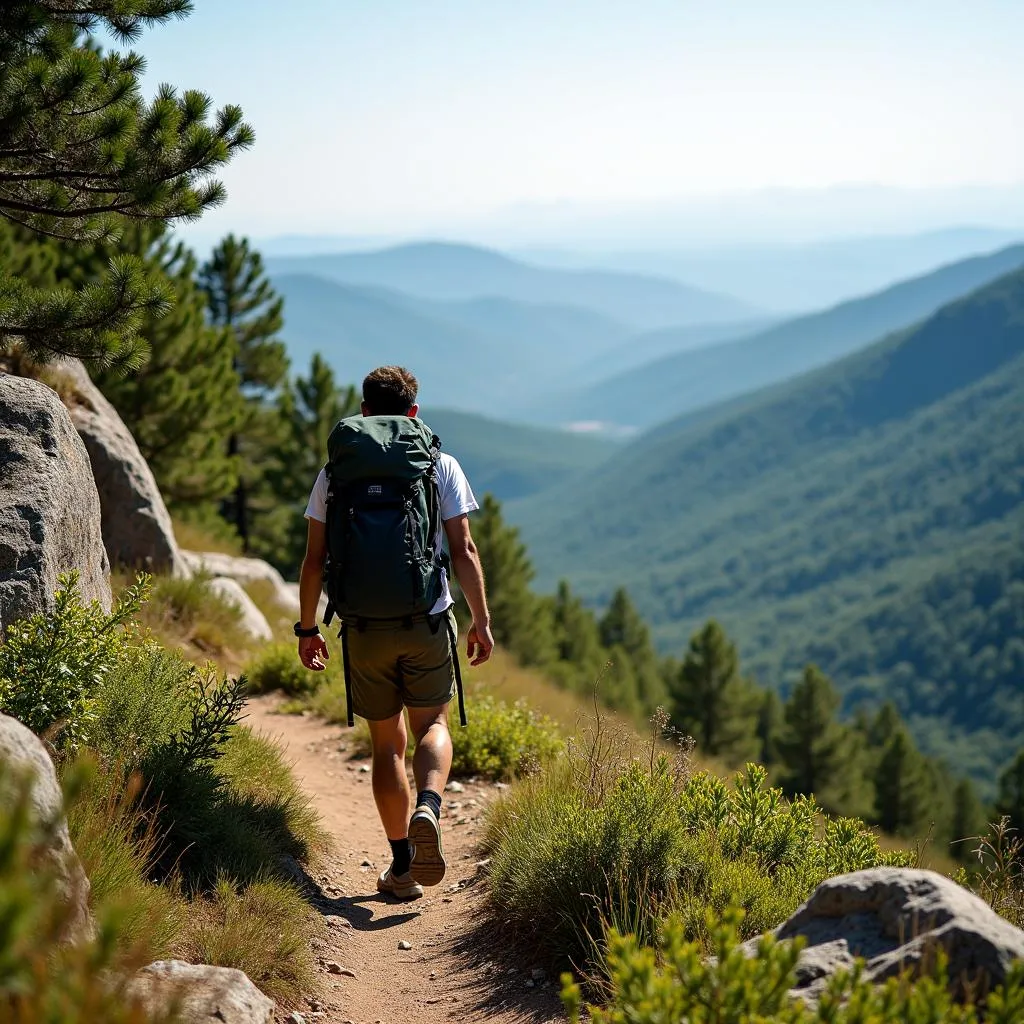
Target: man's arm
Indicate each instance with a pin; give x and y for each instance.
(312, 649)
(470, 574)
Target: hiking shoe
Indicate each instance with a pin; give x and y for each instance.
(402, 887)
(428, 866)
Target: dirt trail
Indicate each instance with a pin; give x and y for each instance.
(450, 973)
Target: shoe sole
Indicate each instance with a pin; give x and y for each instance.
(428, 865)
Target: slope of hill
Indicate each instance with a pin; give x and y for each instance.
(693, 379)
(512, 460)
(812, 518)
(452, 273)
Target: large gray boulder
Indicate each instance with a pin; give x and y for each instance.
(896, 919)
(49, 507)
(245, 571)
(137, 528)
(22, 755)
(201, 994)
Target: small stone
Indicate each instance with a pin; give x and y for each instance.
(367, 864)
(447, 899)
(530, 983)
(501, 785)
(462, 821)
(454, 805)
(538, 974)
(433, 975)
(315, 1005)
(365, 769)
(404, 944)
(457, 887)
(295, 1018)
(483, 865)
(455, 787)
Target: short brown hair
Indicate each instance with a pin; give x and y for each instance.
(390, 391)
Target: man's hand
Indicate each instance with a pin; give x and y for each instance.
(313, 652)
(479, 644)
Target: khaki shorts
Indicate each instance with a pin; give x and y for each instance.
(398, 666)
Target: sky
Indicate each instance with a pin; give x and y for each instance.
(407, 117)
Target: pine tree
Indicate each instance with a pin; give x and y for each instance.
(522, 622)
(81, 152)
(1010, 800)
(886, 724)
(769, 728)
(814, 747)
(242, 300)
(968, 820)
(901, 786)
(307, 410)
(580, 658)
(185, 400)
(622, 627)
(710, 699)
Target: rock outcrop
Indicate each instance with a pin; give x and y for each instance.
(49, 508)
(137, 528)
(245, 571)
(253, 621)
(23, 754)
(201, 994)
(896, 919)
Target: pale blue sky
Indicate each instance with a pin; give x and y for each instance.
(394, 116)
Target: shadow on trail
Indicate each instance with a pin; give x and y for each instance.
(503, 972)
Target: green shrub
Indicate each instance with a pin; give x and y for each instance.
(264, 930)
(677, 982)
(277, 667)
(53, 665)
(44, 980)
(607, 839)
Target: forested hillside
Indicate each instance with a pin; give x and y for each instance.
(692, 380)
(448, 272)
(813, 520)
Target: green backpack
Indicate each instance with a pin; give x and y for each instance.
(383, 519)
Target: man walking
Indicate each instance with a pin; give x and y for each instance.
(376, 516)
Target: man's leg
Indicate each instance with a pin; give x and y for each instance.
(390, 783)
(432, 760)
(431, 764)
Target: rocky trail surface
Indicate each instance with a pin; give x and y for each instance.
(428, 961)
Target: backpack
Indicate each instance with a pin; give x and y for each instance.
(383, 519)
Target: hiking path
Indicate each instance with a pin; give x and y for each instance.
(381, 961)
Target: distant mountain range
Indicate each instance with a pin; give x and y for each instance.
(795, 278)
(867, 516)
(692, 379)
(452, 273)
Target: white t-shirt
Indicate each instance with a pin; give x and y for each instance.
(456, 499)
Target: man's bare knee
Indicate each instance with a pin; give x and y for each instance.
(388, 737)
(422, 720)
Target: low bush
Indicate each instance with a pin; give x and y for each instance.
(997, 875)
(264, 929)
(52, 666)
(677, 982)
(277, 667)
(605, 838)
(501, 741)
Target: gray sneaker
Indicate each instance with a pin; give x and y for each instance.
(402, 887)
(428, 866)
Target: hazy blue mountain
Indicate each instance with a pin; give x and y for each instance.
(699, 378)
(466, 354)
(511, 460)
(449, 273)
(867, 516)
(791, 278)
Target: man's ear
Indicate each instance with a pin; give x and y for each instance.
(414, 411)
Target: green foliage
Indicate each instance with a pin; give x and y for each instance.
(605, 836)
(53, 666)
(998, 874)
(43, 979)
(677, 982)
(901, 787)
(81, 150)
(183, 403)
(622, 629)
(277, 667)
(503, 740)
(241, 300)
(712, 702)
(189, 610)
(1010, 801)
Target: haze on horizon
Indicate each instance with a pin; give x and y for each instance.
(532, 121)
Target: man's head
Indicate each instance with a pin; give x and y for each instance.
(390, 391)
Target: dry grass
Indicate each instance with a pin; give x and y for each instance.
(196, 537)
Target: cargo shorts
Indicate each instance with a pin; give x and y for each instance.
(401, 665)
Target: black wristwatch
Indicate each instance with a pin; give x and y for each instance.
(313, 630)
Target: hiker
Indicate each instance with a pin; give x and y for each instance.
(375, 522)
